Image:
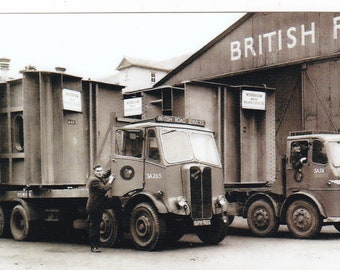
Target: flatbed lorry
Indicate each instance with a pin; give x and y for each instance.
(56, 127)
(301, 189)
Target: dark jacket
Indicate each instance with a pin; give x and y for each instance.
(97, 191)
(296, 160)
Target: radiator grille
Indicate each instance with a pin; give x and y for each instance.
(200, 187)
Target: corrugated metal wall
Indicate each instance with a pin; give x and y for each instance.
(321, 95)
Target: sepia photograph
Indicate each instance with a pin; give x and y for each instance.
(169, 135)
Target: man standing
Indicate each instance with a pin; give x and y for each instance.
(98, 185)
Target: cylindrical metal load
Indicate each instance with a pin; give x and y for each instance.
(52, 128)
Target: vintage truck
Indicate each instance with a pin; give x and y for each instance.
(56, 127)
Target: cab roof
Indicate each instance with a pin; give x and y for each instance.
(309, 134)
(166, 125)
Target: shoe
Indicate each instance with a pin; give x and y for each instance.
(95, 249)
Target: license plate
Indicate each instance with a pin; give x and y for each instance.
(202, 222)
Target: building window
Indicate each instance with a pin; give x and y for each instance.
(153, 77)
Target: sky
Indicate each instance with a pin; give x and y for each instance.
(90, 38)
(93, 44)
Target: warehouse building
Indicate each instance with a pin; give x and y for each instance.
(297, 54)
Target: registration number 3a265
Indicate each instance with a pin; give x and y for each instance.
(153, 175)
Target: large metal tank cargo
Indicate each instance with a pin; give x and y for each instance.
(53, 129)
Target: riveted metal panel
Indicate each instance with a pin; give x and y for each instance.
(258, 142)
(269, 139)
(201, 102)
(42, 143)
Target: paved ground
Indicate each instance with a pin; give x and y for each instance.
(239, 250)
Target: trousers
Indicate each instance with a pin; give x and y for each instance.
(94, 220)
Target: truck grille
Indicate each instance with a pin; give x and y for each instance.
(200, 187)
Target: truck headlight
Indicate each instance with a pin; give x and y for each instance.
(222, 200)
(181, 202)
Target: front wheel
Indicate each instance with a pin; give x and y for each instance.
(110, 231)
(147, 227)
(214, 233)
(261, 219)
(303, 219)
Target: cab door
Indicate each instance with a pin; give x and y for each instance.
(322, 186)
(128, 161)
(298, 173)
(154, 168)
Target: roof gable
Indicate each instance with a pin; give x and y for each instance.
(165, 65)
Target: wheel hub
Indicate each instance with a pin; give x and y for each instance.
(261, 218)
(302, 218)
(143, 226)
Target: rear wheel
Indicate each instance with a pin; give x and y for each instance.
(261, 219)
(303, 219)
(147, 227)
(214, 233)
(20, 223)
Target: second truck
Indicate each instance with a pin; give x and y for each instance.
(300, 189)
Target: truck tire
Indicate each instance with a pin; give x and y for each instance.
(303, 219)
(261, 219)
(174, 231)
(110, 231)
(20, 223)
(147, 227)
(4, 222)
(337, 226)
(230, 219)
(214, 233)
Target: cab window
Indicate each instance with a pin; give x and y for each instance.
(319, 153)
(129, 143)
(299, 152)
(152, 147)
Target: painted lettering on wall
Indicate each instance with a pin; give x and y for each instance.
(278, 40)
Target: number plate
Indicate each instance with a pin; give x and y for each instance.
(202, 222)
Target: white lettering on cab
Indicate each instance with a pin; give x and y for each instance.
(153, 175)
(319, 170)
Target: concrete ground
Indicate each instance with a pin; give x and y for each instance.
(239, 250)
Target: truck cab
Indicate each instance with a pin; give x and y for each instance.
(316, 177)
(170, 181)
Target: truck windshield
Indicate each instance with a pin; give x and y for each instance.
(334, 148)
(187, 145)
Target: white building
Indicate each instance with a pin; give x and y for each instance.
(136, 73)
